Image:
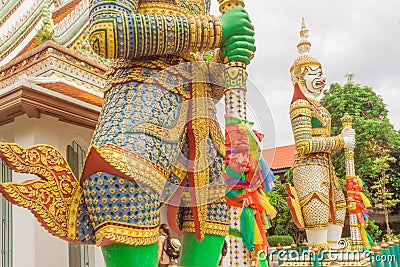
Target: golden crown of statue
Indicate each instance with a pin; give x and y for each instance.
(297, 70)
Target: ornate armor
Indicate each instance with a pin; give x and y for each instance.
(313, 174)
(143, 121)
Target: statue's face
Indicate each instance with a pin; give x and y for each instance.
(314, 82)
(239, 162)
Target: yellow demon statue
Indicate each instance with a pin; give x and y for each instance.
(317, 201)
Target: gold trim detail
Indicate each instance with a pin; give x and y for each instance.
(217, 136)
(294, 206)
(201, 130)
(210, 228)
(48, 198)
(214, 194)
(160, 8)
(310, 197)
(126, 235)
(73, 213)
(134, 166)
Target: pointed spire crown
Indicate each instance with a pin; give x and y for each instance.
(304, 60)
(304, 45)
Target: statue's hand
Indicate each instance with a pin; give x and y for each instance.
(349, 137)
(237, 36)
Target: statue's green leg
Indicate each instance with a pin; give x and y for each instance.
(201, 254)
(121, 255)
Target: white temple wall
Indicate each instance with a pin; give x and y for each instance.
(23, 221)
(7, 133)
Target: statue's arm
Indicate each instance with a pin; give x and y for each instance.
(117, 30)
(300, 115)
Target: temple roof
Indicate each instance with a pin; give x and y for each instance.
(32, 44)
(61, 77)
(64, 10)
(22, 19)
(70, 90)
(25, 97)
(280, 158)
(54, 80)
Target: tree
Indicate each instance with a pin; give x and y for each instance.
(374, 231)
(375, 135)
(349, 77)
(394, 173)
(384, 198)
(283, 223)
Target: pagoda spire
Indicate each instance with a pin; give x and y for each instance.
(304, 45)
(304, 59)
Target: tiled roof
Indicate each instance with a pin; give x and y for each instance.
(58, 15)
(23, 99)
(64, 10)
(280, 157)
(32, 44)
(71, 91)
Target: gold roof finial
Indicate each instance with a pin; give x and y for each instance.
(304, 46)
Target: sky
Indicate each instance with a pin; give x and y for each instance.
(356, 36)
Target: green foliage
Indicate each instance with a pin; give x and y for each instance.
(283, 223)
(375, 135)
(374, 231)
(349, 77)
(383, 196)
(394, 173)
(46, 32)
(289, 176)
(42, 36)
(278, 201)
(284, 240)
